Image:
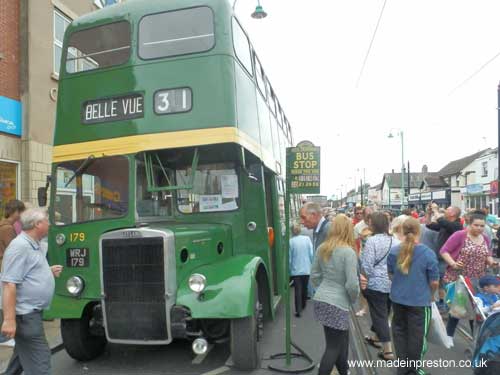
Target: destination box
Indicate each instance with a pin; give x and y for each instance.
(120, 108)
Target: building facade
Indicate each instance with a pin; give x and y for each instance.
(477, 192)
(10, 102)
(31, 35)
(392, 193)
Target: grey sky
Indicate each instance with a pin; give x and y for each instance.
(313, 51)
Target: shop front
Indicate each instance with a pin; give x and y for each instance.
(477, 196)
(10, 127)
(9, 183)
(420, 200)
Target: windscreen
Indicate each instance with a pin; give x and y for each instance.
(215, 189)
(98, 190)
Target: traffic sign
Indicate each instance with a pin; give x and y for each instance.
(303, 168)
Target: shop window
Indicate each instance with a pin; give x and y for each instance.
(8, 184)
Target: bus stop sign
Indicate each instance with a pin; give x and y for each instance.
(303, 168)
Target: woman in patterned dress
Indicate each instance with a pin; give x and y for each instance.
(374, 266)
(467, 252)
(334, 274)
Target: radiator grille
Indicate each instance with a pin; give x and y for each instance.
(134, 289)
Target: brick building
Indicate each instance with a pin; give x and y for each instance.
(31, 34)
(10, 106)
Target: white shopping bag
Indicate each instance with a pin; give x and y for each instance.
(437, 330)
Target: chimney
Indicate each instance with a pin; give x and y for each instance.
(425, 169)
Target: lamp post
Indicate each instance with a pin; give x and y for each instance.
(364, 197)
(259, 10)
(341, 191)
(498, 151)
(400, 133)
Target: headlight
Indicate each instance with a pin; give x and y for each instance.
(197, 282)
(75, 285)
(60, 239)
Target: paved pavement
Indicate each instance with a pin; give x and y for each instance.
(178, 358)
(52, 333)
(434, 353)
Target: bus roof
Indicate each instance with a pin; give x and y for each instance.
(136, 9)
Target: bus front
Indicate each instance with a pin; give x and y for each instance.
(158, 202)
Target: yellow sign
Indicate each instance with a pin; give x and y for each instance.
(303, 168)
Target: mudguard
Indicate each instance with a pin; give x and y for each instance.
(63, 307)
(229, 292)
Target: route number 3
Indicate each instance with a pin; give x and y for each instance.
(77, 237)
(173, 101)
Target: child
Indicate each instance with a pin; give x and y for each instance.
(489, 298)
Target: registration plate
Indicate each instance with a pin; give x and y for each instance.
(77, 257)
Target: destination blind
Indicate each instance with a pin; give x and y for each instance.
(126, 107)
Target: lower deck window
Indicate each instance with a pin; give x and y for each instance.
(215, 189)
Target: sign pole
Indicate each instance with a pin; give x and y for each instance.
(288, 324)
(302, 177)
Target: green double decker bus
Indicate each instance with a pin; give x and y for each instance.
(167, 194)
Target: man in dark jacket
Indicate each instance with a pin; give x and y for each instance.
(311, 217)
(446, 225)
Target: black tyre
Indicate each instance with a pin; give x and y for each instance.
(246, 337)
(79, 342)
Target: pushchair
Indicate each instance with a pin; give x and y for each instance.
(486, 349)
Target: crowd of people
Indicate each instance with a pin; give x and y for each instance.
(394, 268)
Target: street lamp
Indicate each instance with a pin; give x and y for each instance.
(340, 201)
(362, 185)
(259, 12)
(400, 133)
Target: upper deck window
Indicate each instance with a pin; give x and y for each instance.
(98, 47)
(242, 47)
(176, 33)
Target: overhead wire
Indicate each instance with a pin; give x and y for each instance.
(474, 74)
(371, 43)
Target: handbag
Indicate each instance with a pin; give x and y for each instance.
(362, 271)
(437, 330)
(385, 255)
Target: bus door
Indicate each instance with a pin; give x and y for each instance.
(255, 216)
(273, 230)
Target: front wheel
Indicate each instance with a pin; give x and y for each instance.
(78, 340)
(246, 336)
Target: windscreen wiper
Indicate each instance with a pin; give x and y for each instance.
(86, 163)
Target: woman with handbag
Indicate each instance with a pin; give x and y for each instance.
(467, 253)
(374, 267)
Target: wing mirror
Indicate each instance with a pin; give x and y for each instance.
(42, 193)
